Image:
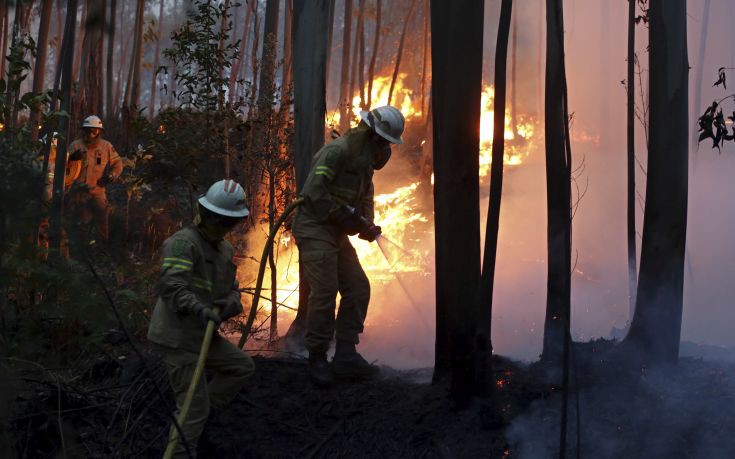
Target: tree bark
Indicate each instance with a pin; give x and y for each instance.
(39, 71)
(630, 119)
(361, 53)
(399, 54)
(156, 54)
(374, 58)
(286, 75)
(345, 97)
(558, 190)
(266, 88)
(456, 47)
(487, 283)
(89, 94)
(109, 90)
(698, 78)
(237, 65)
(60, 165)
(311, 34)
(656, 327)
(424, 59)
(4, 35)
(137, 57)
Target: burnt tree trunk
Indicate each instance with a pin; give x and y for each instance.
(456, 48)
(57, 201)
(311, 30)
(3, 35)
(89, 93)
(374, 58)
(345, 97)
(656, 327)
(558, 190)
(399, 54)
(237, 65)
(109, 90)
(39, 71)
(487, 280)
(156, 56)
(700, 70)
(630, 121)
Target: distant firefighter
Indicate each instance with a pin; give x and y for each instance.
(100, 165)
(338, 201)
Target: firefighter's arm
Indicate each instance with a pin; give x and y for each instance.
(177, 276)
(368, 203)
(116, 164)
(232, 305)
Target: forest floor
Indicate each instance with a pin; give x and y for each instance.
(112, 409)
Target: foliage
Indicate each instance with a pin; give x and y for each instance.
(199, 60)
(712, 124)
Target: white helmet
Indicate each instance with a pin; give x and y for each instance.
(387, 121)
(92, 121)
(227, 198)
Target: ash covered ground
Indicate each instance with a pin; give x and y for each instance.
(687, 411)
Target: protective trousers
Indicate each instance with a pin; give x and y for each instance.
(330, 269)
(93, 207)
(230, 368)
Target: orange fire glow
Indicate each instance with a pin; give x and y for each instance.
(397, 212)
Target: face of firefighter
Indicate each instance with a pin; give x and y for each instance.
(216, 227)
(381, 151)
(91, 134)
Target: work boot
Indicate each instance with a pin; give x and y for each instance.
(319, 371)
(348, 364)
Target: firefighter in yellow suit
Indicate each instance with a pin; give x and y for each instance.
(197, 281)
(100, 165)
(338, 201)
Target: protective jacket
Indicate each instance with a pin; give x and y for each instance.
(194, 270)
(341, 174)
(100, 159)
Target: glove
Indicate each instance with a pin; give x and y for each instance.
(229, 308)
(103, 181)
(371, 233)
(349, 221)
(206, 314)
(77, 155)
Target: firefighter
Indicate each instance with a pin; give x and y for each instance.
(100, 165)
(197, 285)
(338, 201)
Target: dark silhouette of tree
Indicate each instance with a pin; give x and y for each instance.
(376, 49)
(630, 122)
(558, 189)
(399, 53)
(310, 37)
(345, 96)
(456, 48)
(656, 327)
(109, 71)
(39, 71)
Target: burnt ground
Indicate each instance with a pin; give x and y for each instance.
(113, 410)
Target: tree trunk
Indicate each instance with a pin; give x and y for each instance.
(487, 282)
(60, 165)
(374, 58)
(353, 71)
(630, 118)
(110, 112)
(134, 100)
(330, 33)
(558, 190)
(424, 59)
(513, 81)
(361, 54)
(399, 54)
(4, 36)
(237, 65)
(311, 34)
(456, 47)
(656, 327)
(266, 88)
(156, 53)
(286, 75)
(345, 97)
(39, 71)
(89, 94)
(700, 70)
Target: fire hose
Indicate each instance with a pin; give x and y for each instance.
(261, 270)
(208, 333)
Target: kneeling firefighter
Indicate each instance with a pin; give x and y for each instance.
(198, 285)
(338, 201)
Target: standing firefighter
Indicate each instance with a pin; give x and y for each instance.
(100, 165)
(198, 285)
(338, 201)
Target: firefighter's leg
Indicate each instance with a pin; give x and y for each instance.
(231, 368)
(101, 211)
(354, 288)
(319, 260)
(181, 365)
